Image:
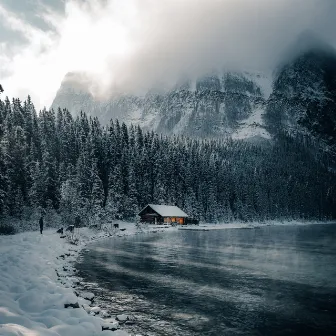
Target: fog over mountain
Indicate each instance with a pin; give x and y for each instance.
(297, 97)
(170, 40)
(132, 45)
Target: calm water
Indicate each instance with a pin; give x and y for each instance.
(269, 281)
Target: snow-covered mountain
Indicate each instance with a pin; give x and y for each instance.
(214, 105)
(304, 96)
(300, 97)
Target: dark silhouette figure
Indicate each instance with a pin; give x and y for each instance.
(77, 222)
(70, 228)
(41, 224)
(60, 231)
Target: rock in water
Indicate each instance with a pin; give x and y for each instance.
(122, 318)
(95, 311)
(71, 305)
(87, 296)
(110, 326)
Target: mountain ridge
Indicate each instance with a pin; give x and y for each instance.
(211, 106)
(300, 97)
(303, 99)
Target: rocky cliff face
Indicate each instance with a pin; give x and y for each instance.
(216, 105)
(301, 99)
(304, 96)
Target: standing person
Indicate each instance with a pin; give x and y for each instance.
(41, 224)
(77, 222)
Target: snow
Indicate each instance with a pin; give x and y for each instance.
(120, 333)
(253, 126)
(168, 210)
(37, 280)
(32, 298)
(182, 124)
(110, 325)
(263, 79)
(122, 318)
(87, 296)
(249, 225)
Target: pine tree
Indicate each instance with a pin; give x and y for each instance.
(131, 202)
(50, 181)
(69, 203)
(4, 183)
(79, 168)
(114, 204)
(37, 190)
(97, 197)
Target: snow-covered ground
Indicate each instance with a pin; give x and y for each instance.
(37, 282)
(249, 225)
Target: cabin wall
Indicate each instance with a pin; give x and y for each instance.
(148, 210)
(178, 220)
(149, 215)
(148, 218)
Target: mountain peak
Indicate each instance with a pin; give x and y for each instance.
(307, 42)
(76, 81)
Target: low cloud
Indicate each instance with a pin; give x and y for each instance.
(133, 45)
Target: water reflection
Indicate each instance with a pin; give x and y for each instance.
(275, 280)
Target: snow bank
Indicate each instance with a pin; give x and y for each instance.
(37, 282)
(35, 287)
(249, 225)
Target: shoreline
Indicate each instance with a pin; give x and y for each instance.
(82, 289)
(85, 287)
(38, 286)
(38, 279)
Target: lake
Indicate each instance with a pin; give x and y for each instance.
(275, 280)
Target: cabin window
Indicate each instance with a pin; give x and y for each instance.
(181, 220)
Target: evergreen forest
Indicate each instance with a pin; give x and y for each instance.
(75, 166)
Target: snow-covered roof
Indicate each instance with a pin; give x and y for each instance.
(168, 210)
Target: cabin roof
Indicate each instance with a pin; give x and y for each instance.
(166, 210)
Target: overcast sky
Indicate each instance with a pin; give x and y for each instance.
(137, 44)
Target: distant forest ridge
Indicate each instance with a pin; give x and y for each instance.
(76, 166)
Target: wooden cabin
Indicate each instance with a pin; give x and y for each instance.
(159, 214)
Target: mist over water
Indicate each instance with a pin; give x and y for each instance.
(274, 280)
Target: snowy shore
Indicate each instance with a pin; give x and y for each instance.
(37, 282)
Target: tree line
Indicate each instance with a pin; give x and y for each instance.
(76, 166)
